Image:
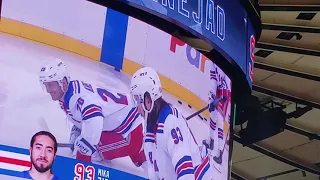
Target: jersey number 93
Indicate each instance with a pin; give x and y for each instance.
(176, 135)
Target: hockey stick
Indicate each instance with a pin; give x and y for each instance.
(197, 113)
(67, 145)
(44, 126)
(225, 142)
(205, 108)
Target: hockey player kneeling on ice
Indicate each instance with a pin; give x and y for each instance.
(106, 124)
(169, 144)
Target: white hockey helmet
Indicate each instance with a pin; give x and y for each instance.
(145, 80)
(53, 70)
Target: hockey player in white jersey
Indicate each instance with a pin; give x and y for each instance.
(172, 151)
(219, 112)
(106, 124)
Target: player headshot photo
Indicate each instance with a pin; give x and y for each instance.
(43, 149)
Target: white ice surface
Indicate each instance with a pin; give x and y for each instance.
(26, 109)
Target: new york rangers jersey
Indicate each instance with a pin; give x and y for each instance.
(220, 87)
(172, 150)
(94, 109)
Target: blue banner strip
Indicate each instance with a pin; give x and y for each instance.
(64, 168)
(14, 149)
(12, 173)
(114, 39)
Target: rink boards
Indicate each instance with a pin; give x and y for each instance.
(113, 38)
(24, 105)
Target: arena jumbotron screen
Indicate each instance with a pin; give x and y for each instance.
(91, 90)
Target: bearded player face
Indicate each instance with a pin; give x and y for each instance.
(42, 153)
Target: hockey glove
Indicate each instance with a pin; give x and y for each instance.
(211, 97)
(225, 98)
(84, 149)
(75, 132)
(211, 107)
(214, 103)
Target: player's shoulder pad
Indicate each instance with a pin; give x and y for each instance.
(166, 111)
(73, 88)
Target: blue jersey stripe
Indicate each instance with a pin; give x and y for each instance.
(182, 160)
(70, 92)
(90, 106)
(78, 86)
(130, 125)
(129, 114)
(204, 171)
(149, 140)
(185, 172)
(160, 131)
(88, 145)
(96, 114)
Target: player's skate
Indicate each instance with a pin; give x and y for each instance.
(204, 150)
(208, 143)
(144, 166)
(97, 158)
(215, 158)
(218, 159)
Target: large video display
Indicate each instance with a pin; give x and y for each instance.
(190, 76)
(226, 24)
(66, 116)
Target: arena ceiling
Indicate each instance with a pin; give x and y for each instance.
(287, 73)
